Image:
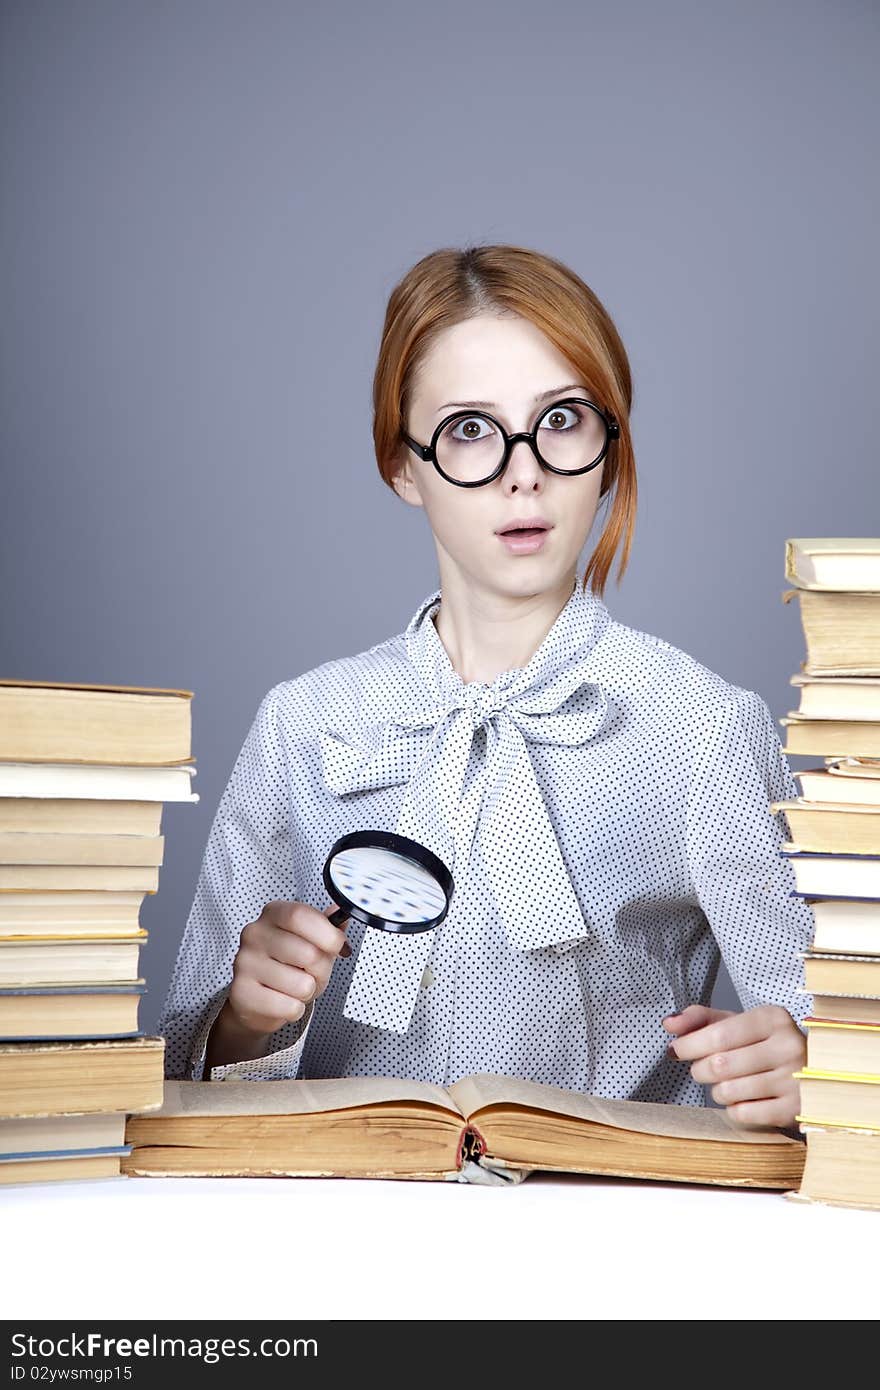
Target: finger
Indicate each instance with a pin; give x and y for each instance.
(296, 951)
(760, 1114)
(283, 946)
(304, 920)
(761, 1056)
(761, 1085)
(736, 1030)
(345, 948)
(329, 910)
(693, 1016)
(287, 979)
(260, 1005)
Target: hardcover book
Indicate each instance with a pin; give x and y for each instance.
(483, 1128)
(67, 722)
(833, 562)
(83, 1076)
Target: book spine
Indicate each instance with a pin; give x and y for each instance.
(790, 567)
(471, 1145)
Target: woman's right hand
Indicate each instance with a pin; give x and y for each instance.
(284, 959)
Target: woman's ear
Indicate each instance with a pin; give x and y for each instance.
(404, 483)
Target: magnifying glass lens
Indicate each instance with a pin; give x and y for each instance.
(387, 884)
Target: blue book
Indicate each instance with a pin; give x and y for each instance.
(834, 875)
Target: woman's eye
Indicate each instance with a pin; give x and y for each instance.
(471, 428)
(555, 419)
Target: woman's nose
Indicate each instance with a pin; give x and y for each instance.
(522, 461)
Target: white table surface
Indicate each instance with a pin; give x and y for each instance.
(554, 1246)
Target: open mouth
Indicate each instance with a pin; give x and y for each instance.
(532, 526)
(523, 540)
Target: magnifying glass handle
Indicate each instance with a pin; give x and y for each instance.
(338, 917)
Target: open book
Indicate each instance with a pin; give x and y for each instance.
(483, 1128)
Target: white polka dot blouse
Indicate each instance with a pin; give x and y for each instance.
(605, 814)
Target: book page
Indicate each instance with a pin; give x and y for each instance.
(296, 1097)
(473, 1093)
(854, 767)
(79, 685)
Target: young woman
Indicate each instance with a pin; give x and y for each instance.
(601, 797)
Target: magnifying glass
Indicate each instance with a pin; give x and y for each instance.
(387, 881)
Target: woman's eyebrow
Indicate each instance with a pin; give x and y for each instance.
(491, 405)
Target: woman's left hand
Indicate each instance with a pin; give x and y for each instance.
(750, 1058)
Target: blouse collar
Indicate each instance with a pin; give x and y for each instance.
(558, 661)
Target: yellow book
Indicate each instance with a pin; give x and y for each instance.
(79, 816)
(846, 1008)
(73, 913)
(825, 973)
(825, 827)
(838, 1097)
(841, 630)
(482, 1128)
(831, 738)
(86, 1010)
(79, 1167)
(833, 1045)
(67, 722)
(46, 847)
(115, 878)
(44, 960)
(842, 1166)
(60, 1148)
(51, 1078)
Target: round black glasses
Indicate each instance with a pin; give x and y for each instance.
(570, 436)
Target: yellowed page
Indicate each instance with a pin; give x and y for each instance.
(300, 1097)
(473, 1093)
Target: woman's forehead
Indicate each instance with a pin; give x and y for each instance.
(487, 364)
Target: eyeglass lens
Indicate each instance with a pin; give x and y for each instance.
(569, 436)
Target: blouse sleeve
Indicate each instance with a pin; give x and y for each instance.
(248, 861)
(741, 880)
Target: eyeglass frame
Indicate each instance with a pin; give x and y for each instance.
(428, 452)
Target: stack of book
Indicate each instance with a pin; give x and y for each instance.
(835, 853)
(84, 773)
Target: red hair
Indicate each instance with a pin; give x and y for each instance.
(450, 285)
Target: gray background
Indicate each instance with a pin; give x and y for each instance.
(204, 208)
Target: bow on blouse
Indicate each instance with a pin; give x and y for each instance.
(428, 744)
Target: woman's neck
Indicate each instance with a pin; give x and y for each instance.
(486, 634)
